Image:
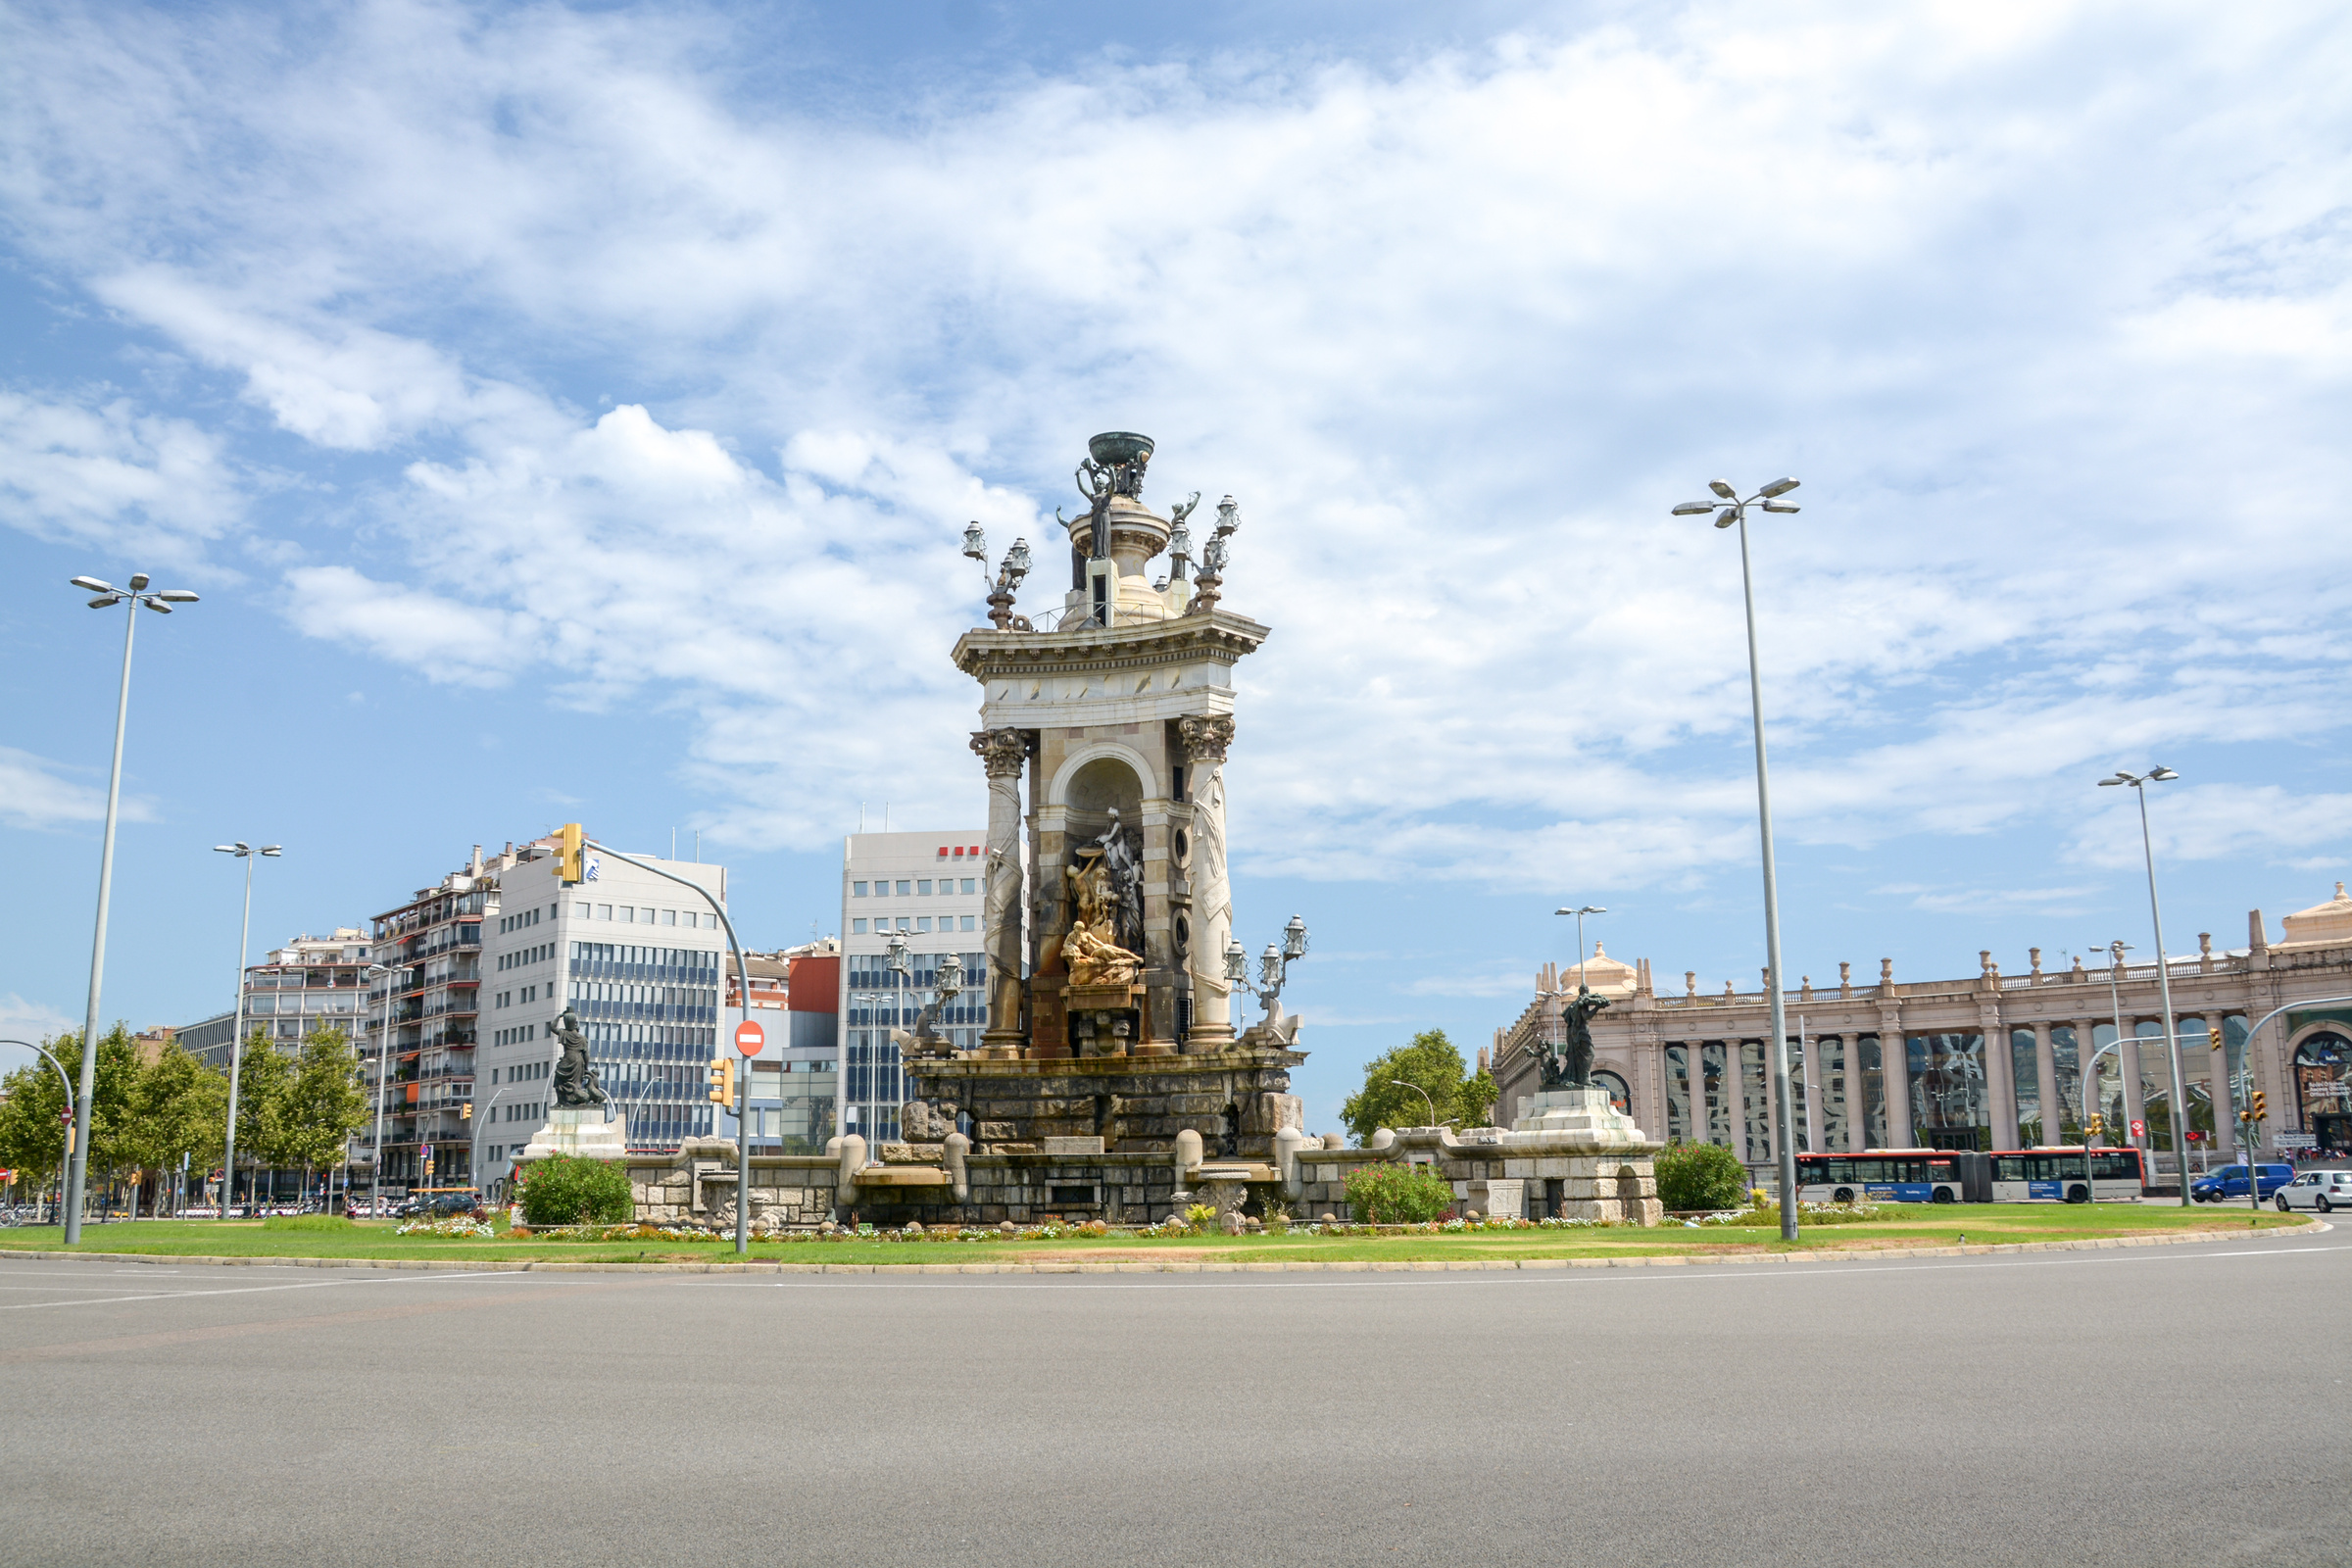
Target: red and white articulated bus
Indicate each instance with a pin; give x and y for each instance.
(1963, 1176)
(2056, 1175)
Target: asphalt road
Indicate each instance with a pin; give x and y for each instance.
(2182, 1404)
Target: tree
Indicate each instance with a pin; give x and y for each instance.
(32, 1123)
(179, 1107)
(1476, 1100)
(324, 1103)
(1431, 1064)
(569, 1190)
(265, 1085)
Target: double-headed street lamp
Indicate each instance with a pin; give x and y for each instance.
(236, 1035)
(1580, 914)
(1729, 509)
(2140, 783)
(1273, 966)
(161, 602)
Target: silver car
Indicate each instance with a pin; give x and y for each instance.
(2323, 1190)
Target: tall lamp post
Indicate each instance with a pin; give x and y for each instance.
(1580, 914)
(2140, 783)
(383, 1071)
(1732, 511)
(109, 596)
(62, 1078)
(236, 1034)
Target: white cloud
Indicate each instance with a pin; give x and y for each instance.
(22, 1018)
(2215, 822)
(102, 472)
(34, 794)
(2047, 306)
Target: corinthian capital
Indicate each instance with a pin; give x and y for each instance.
(1205, 736)
(1003, 751)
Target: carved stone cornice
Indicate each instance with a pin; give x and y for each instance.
(1205, 736)
(1005, 753)
(995, 655)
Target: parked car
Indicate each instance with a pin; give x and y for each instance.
(2323, 1190)
(2229, 1182)
(443, 1203)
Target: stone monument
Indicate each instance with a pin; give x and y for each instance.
(583, 1119)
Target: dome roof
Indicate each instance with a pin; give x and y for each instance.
(2322, 923)
(1605, 975)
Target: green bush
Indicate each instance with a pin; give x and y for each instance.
(1397, 1195)
(1701, 1176)
(308, 1222)
(568, 1190)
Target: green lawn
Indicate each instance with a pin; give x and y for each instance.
(1917, 1226)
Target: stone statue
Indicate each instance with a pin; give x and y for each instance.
(1092, 949)
(1569, 1064)
(1123, 879)
(576, 1083)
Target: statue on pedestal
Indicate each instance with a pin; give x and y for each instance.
(1569, 1064)
(576, 1083)
(1092, 948)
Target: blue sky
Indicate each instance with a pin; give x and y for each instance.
(571, 412)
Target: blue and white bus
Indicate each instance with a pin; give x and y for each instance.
(2057, 1176)
(1894, 1176)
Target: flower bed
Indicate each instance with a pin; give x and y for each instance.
(458, 1225)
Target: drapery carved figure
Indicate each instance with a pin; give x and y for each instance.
(1569, 1064)
(1092, 948)
(1005, 753)
(1205, 737)
(1123, 875)
(576, 1083)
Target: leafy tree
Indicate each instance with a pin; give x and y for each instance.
(1431, 1064)
(264, 1093)
(324, 1103)
(1695, 1176)
(177, 1112)
(1476, 1100)
(32, 1127)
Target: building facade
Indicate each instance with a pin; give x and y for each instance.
(795, 1080)
(1991, 1061)
(928, 888)
(636, 955)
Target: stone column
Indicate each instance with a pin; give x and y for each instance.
(1895, 1070)
(1005, 753)
(1205, 737)
(2001, 1073)
(1735, 1093)
(2085, 1030)
(1813, 1091)
(2045, 1068)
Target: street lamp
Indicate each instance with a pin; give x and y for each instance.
(1010, 573)
(1273, 966)
(236, 1034)
(161, 602)
(2140, 783)
(64, 1079)
(1580, 914)
(383, 1071)
(1731, 510)
(1424, 1094)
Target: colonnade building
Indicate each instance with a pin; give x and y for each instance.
(1991, 1061)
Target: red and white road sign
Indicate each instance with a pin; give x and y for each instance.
(750, 1037)
(2140, 1129)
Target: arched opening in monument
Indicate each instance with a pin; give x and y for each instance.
(1105, 786)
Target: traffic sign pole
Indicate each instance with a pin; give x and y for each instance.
(750, 1037)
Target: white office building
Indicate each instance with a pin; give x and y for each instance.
(927, 888)
(636, 955)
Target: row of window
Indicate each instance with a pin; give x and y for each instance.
(526, 956)
(514, 1036)
(515, 999)
(638, 914)
(521, 1071)
(284, 979)
(620, 961)
(267, 1005)
(922, 922)
(869, 971)
(916, 887)
(524, 1110)
(524, 919)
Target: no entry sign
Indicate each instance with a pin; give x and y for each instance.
(750, 1037)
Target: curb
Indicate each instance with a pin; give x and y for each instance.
(1130, 1266)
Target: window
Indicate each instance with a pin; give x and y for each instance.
(923, 886)
(580, 912)
(668, 918)
(857, 890)
(904, 888)
(646, 915)
(856, 928)
(628, 912)
(903, 922)
(604, 912)
(969, 886)
(922, 922)
(968, 922)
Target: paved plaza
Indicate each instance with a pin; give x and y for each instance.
(2155, 1406)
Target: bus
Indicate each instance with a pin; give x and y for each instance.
(2056, 1176)
(1894, 1176)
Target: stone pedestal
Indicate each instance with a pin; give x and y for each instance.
(580, 1130)
(1580, 1158)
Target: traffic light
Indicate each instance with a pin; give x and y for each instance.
(2098, 1126)
(722, 1080)
(568, 839)
(2213, 1038)
(465, 1111)
(2258, 1107)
